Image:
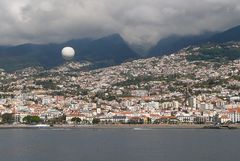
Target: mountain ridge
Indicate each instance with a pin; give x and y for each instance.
(109, 50)
(102, 52)
(174, 43)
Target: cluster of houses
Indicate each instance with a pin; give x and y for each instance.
(107, 115)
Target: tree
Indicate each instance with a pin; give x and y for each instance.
(57, 120)
(36, 119)
(7, 118)
(27, 119)
(32, 119)
(96, 121)
(85, 122)
(77, 120)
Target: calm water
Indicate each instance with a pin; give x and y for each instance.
(119, 145)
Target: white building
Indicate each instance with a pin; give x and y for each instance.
(234, 114)
(192, 101)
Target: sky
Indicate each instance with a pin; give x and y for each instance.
(137, 21)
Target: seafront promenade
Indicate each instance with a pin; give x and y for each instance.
(111, 126)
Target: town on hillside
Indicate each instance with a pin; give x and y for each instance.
(197, 85)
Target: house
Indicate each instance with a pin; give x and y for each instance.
(135, 120)
(154, 117)
(72, 115)
(18, 117)
(168, 120)
(119, 119)
(234, 114)
(186, 118)
(224, 119)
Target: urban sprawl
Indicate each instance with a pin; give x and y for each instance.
(174, 89)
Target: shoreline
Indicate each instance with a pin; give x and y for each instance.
(110, 126)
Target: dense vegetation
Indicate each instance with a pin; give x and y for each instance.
(32, 119)
(7, 118)
(215, 54)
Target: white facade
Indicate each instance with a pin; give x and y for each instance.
(192, 102)
(234, 117)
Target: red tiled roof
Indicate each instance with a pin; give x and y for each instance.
(232, 110)
(224, 117)
(125, 113)
(154, 115)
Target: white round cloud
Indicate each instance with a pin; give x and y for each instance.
(68, 53)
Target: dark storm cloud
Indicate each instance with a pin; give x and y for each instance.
(138, 21)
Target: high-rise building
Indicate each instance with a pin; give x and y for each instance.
(192, 101)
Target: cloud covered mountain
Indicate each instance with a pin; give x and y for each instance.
(105, 51)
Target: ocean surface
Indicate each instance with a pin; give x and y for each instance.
(119, 145)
